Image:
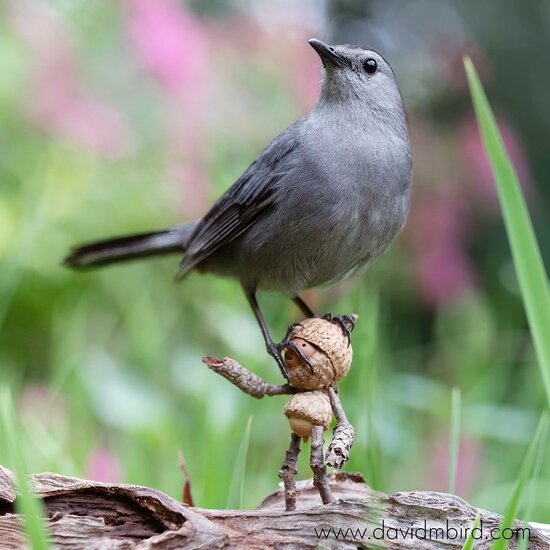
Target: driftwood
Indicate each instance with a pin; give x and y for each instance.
(90, 515)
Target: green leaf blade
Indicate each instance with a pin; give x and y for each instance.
(26, 503)
(469, 544)
(454, 439)
(532, 277)
(235, 498)
(512, 508)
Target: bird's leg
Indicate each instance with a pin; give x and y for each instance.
(303, 307)
(308, 313)
(288, 472)
(272, 348)
(318, 466)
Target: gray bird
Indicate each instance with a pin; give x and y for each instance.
(323, 200)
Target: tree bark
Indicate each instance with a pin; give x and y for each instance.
(90, 515)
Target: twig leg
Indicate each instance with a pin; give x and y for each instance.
(288, 472)
(318, 467)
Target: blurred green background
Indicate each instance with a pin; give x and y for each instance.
(126, 116)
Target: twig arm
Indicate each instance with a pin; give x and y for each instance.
(245, 380)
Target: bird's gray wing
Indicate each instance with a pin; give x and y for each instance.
(244, 202)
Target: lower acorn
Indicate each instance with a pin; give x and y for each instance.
(308, 409)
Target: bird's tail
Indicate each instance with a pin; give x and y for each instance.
(168, 241)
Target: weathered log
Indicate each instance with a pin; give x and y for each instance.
(91, 515)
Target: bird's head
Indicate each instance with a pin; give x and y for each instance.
(354, 74)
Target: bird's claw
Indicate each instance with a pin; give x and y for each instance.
(275, 351)
(291, 328)
(345, 322)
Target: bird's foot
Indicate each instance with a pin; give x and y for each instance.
(275, 350)
(290, 329)
(346, 322)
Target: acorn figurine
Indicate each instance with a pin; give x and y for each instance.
(317, 353)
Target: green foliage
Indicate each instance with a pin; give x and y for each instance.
(512, 508)
(530, 272)
(454, 439)
(521, 236)
(235, 497)
(531, 497)
(469, 544)
(26, 503)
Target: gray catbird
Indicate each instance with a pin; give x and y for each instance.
(323, 200)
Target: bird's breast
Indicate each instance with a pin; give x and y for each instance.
(341, 202)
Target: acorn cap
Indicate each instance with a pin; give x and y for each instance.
(308, 409)
(326, 347)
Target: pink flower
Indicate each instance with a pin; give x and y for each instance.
(190, 179)
(468, 464)
(57, 101)
(437, 231)
(103, 466)
(36, 401)
(444, 272)
(301, 63)
(170, 42)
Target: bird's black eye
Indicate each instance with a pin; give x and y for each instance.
(370, 66)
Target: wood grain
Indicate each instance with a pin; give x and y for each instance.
(90, 515)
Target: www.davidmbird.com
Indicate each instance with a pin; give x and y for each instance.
(424, 532)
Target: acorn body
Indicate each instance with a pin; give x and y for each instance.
(308, 409)
(325, 346)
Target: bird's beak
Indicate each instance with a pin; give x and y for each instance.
(327, 54)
